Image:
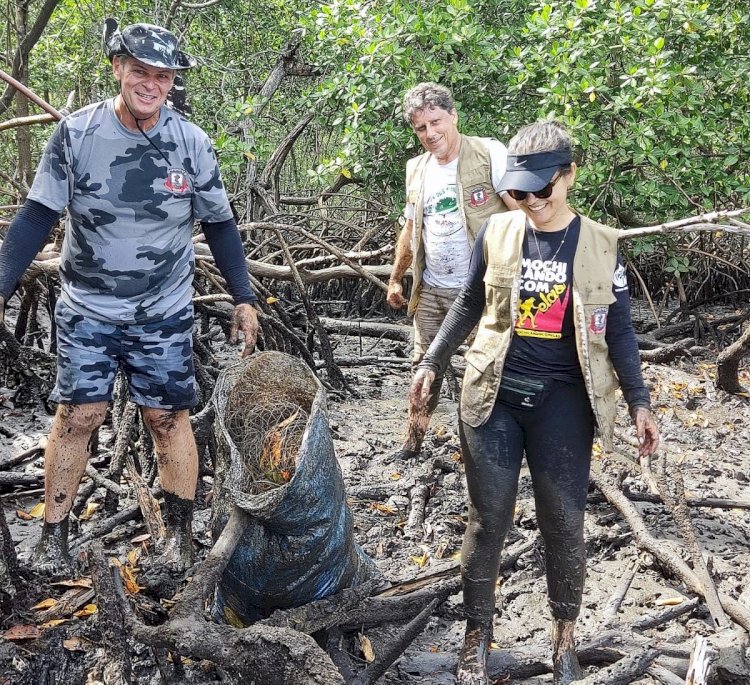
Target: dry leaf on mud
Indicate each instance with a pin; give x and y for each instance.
(669, 601)
(54, 622)
(270, 299)
(23, 515)
(45, 604)
(90, 510)
(76, 644)
(88, 610)
(21, 632)
(421, 561)
(77, 582)
(366, 646)
(383, 508)
(134, 556)
(396, 476)
(140, 538)
(38, 511)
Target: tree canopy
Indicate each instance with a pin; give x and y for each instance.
(653, 90)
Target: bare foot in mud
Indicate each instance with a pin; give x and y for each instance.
(472, 660)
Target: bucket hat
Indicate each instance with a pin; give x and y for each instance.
(150, 44)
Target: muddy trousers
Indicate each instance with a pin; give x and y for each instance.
(557, 438)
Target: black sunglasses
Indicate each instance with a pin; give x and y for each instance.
(544, 193)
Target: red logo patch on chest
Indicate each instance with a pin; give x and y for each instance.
(177, 181)
(478, 197)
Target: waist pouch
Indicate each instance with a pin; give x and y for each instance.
(526, 393)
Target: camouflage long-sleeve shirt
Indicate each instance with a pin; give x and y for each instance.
(128, 253)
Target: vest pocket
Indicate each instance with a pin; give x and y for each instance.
(498, 284)
(478, 386)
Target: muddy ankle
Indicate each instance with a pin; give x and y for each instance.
(51, 553)
(177, 548)
(566, 669)
(472, 659)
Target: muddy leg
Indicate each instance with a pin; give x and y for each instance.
(564, 660)
(472, 659)
(177, 459)
(64, 463)
(178, 521)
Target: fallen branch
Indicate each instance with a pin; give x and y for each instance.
(668, 559)
(702, 222)
(672, 490)
(396, 647)
(625, 671)
(728, 364)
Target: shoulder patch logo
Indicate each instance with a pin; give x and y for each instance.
(620, 278)
(478, 197)
(177, 181)
(598, 322)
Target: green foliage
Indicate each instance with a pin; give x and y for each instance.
(371, 52)
(652, 89)
(649, 88)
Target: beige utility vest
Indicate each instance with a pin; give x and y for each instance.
(477, 199)
(593, 267)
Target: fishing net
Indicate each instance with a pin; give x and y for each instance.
(265, 415)
(276, 461)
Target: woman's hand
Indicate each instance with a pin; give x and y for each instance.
(419, 392)
(646, 431)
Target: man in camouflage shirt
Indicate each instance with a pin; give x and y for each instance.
(134, 176)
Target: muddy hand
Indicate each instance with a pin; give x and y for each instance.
(646, 431)
(245, 319)
(419, 392)
(395, 296)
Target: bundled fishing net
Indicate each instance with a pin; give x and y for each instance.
(276, 461)
(265, 415)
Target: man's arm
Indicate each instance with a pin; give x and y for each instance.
(26, 235)
(508, 201)
(401, 263)
(498, 160)
(225, 244)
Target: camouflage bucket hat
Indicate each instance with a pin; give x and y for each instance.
(147, 43)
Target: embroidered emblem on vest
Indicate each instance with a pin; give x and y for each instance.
(177, 181)
(478, 197)
(599, 320)
(620, 278)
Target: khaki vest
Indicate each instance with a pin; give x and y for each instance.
(593, 267)
(477, 199)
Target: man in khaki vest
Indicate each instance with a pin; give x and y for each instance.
(450, 193)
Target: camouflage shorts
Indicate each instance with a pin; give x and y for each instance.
(156, 357)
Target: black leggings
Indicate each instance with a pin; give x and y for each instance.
(557, 438)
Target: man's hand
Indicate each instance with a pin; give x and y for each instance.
(2, 309)
(395, 296)
(245, 319)
(419, 392)
(646, 431)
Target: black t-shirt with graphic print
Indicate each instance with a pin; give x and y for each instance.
(544, 342)
(619, 334)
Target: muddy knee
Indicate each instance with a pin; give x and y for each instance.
(80, 419)
(164, 424)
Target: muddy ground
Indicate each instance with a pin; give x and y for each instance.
(706, 430)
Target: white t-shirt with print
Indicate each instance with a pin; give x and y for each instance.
(446, 243)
